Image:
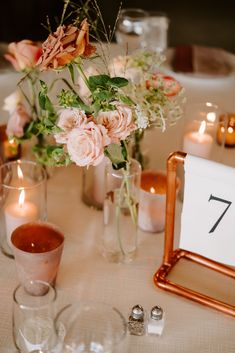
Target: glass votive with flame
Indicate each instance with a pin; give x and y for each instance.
(152, 203)
(202, 121)
(23, 198)
(226, 130)
(9, 149)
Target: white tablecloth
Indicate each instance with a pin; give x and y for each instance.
(84, 274)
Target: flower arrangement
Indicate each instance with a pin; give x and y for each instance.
(95, 111)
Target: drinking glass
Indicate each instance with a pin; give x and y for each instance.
(130, 28)
(22, 198)
(92, 327)
(33, 319)
(155, 35)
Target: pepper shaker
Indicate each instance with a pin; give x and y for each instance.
(136, 323)
(156, 321)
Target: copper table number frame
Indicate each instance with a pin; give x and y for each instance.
(171, 256)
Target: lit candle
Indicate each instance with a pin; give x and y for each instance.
(226, 135)
(9, 149)
(18, 213)
(151, 216)
(199, 142)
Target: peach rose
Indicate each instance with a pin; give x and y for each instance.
(18, 118)
(118, 122)
(86, 145)
(68, 120)
(65, 45)
(23, 55)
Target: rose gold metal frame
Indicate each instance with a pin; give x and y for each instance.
(171, 256)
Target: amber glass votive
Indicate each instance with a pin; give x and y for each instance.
(37, 247)
(152, 202)
(10, 150)
(226, 130)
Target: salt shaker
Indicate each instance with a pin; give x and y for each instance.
(156, 321)
(136, 323)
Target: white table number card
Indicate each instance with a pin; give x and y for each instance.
(208, 215)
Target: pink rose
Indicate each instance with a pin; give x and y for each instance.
(86, 145)
(169, 85)
(65, 45)
(68, 120)
(118, 122)
(18, 118)
(23, 55)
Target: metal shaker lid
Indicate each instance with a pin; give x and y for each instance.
(137, 312)
(156, 313)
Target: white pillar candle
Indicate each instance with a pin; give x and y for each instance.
(18, 213)
(198, 143)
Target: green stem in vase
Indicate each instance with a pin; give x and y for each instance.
(136, 152)
(124, 197)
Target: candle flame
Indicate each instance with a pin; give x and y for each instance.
(152, 190)
(11, 141)
(21, 198)
(230, 130)
(202, 128)
(19, 172)
(211, 117)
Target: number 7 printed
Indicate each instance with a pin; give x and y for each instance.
(211, 198)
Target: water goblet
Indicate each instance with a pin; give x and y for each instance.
(155, 36)
(33, 319)
(130, 28)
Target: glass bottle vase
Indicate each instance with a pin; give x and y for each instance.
(120, 212)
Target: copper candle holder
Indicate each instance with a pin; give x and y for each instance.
(171, 256)
(10, 150)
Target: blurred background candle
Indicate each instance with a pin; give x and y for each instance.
(198, 143)
(9, 149)
(226, 130)
(152, 202)
(18, 213)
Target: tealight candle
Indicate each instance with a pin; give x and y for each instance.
(151, 217)
(18, 213)
(198, 143)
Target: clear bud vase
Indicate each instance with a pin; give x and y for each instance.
(121, 212)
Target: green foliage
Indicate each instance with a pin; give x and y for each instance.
(51, 155)
(117, 154)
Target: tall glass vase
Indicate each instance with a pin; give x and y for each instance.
(120, 212)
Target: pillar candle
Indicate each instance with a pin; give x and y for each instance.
(18, 213)
(198, 143)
